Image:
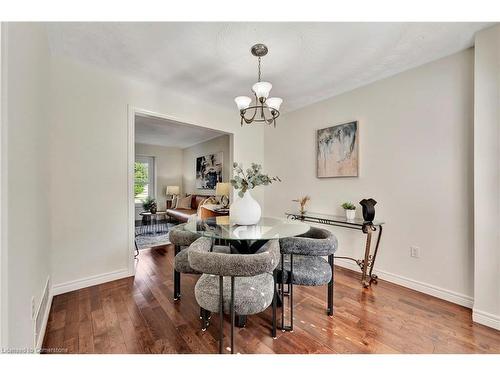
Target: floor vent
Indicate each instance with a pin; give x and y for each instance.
(41, 313)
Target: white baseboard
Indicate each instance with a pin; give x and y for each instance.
(487, 319)
(44, 323)
(435, 291)
(90, 281)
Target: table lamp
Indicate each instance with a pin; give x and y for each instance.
(172, 190)
(222, 190)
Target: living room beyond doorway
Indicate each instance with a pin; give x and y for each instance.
(176, 169)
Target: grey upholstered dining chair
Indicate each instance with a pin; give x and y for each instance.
(241, 284)
(181, 239)
(306, 265)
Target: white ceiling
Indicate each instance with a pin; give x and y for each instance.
(161, 132)
(307, 62)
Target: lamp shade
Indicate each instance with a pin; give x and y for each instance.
(274, 103)
(262, 89)
(242, 102)
(172, 190)
(222, 188)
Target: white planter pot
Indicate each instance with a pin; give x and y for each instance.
(349, 214)
(245, 211)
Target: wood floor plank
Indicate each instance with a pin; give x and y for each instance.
(138, 315)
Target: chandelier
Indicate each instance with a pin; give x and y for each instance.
(265, 109)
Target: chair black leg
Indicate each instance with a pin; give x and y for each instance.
(241, 321)
(290, 289)
(330, 288)
(275, 301)
(231, 307)
(287, 291)
(177, 285)
(282, 289)
(221, 313)
(290, 294)
(204, 316)
(278, 291)
(177, 278)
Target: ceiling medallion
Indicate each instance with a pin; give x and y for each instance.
(265, 109)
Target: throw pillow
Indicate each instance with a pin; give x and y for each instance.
(184, 203)
(174, 201)
(209, 202)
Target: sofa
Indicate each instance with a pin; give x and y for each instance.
(181, 214)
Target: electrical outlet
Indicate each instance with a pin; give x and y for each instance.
(414, 252)
(32, 307)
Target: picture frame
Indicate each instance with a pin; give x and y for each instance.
(337, 150)
(208, 169)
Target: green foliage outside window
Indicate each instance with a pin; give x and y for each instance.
(141, 178)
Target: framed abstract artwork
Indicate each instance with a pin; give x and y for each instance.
(208, 171)
(337, 151)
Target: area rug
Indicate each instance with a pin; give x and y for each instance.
(148, 240)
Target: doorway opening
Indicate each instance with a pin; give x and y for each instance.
(174, 169)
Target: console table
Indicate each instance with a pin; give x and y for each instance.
(367, 263)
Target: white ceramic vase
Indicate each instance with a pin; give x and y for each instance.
(349, 214)
(245, 211)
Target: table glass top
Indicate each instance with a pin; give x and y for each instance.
(266, 229)
(335, 218)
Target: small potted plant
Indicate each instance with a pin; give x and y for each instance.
(350, 210)
(302, 202)
(149, 204)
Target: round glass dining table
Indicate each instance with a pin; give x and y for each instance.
(246, 238)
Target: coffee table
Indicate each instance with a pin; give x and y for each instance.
(153, 224)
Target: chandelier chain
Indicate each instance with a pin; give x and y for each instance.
(259, 70)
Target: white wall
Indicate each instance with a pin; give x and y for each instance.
(487, 177)
(4, 334)
(416, 159)
(190, 154)
(27, 170)
(168, 165)
(89, 114)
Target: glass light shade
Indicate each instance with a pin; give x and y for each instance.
(172, 190)
(243, 102)
(222, 188)
(262, 89)
(274, 103)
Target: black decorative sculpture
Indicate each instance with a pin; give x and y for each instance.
(368, 209)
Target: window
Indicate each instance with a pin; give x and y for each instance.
(144, 183)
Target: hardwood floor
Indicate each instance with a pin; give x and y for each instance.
(138, 315)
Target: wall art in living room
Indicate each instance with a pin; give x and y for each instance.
(337, 150)
(209, 170)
